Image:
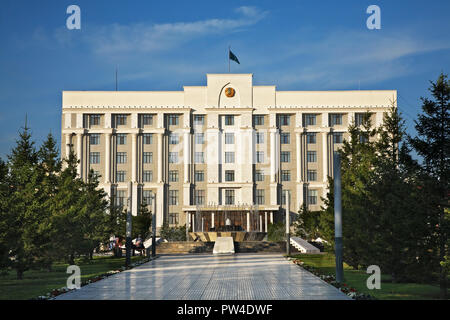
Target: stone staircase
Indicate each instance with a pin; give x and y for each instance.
(303, 246)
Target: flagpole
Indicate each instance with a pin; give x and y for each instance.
(229, 49)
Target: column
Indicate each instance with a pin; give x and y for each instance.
(298, 152)
(260, 223)
(248, 221)
(133, 157)
(68, 143)
(273, 155)
(187, 155)
(265, 221)
(271, 217)
(212, 219)
(325, 156)
(107, 157)
(160, 156)
(79, 153)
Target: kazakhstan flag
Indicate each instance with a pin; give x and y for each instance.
(233, 57)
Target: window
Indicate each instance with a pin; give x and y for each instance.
(283, 197)
(285, 138)
(258, 120)
(199, 157)
(259, 196)
(311, 137)
(121, 157)
(199, 120)
(359, 119)
(285, 156)
(120, 198)
(285, 175)
(173, 157)
(199, 176)
(259, 137)
(94, 119)
(173, 175)
(147, 119)
(174, 138)
(199, 197)
(173, 197)
(147, 176)
(312, 196)
(173, 119)
(312, 156)
(310, 120)
(229, 120)
(94, 138)
(229, 197)
(259, 175)
(363, 138)
(147, 196)
(312, 175)
(173, 218)
(259, 156)
(199, 138)
(148, 138)
(121, 138)
(283, 120)
(94, 157)
(335, 119)
(338, 137)
(147, 157)
(229, 157)
(120, 176)
(229, 138)
(121, 119)
(229, 175)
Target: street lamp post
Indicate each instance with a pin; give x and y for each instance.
(154, 226)
(128, 243)
(338, 219)
(288, 224)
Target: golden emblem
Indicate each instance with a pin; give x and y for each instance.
(229, 92)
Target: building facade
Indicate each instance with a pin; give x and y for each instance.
(229, 145)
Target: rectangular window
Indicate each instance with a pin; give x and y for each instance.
(259, 156)
(120, 198)
(173, 197)
(199, 138)
(359, 119)
(174, 138)
(173, 157)
(338, 137)
(259, 137)
(283, 120)
(121, 138)
(310, 120)
(94, 157)
(229, 120)
(121, 119)
(312, 175)
(94, 138)
(259, 175)
(229, 157)
(258, 120)
(199, 196)
(147, 196)
(147, 176)
(173, 218)
(199, 176)
(285, 156)
(259, 196)
(148, 138)
(199, 120)
(173, 175)
(121, 157)
(229, 138)
(147, 157)
(94, 119)
(335, 119)
(285, 175)
(312, 156)
(285, 138)
(147, 119)
(229, 175)
(120, 176)
(173, 119)
(229, 197)
(311, 137)
(199, 157)
(312, 196)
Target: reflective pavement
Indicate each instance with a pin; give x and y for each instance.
(208, 277)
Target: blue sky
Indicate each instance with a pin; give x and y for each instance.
(163, 45)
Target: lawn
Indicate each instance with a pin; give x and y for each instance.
(357, 279)
(36, 283)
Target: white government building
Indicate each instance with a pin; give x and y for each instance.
(227, 147)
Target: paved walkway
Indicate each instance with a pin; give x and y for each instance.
(208, 277)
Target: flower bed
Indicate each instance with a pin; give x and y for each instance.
(56, 292)
(331, 279)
